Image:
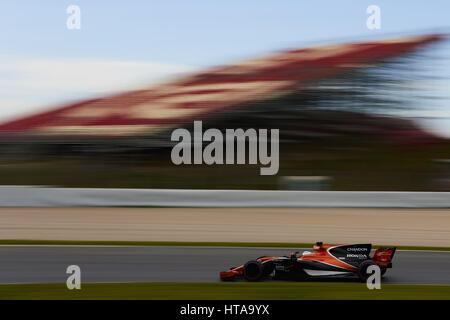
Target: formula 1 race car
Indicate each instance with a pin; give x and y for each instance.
(325, 261)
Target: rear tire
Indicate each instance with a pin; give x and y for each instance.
(253, 271)
(362, 271)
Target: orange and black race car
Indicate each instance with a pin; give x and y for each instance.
(325, 261)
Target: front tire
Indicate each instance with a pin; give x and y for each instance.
(253, 271)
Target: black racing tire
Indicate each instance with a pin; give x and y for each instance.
(362, 270)
(253, 271)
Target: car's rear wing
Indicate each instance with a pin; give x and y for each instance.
(383, 257)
